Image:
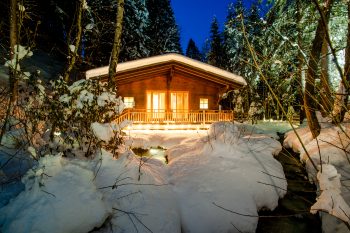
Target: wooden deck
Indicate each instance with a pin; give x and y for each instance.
(143, 116)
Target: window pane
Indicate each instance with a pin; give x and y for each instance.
(203, 103)
(129, 102)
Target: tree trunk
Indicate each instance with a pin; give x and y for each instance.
(314, 58)
(325, 91)
(300, 61)
(341, 101)
(74, 54)
(13, 80)
(116, 45)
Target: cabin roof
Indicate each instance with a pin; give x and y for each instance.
(165, 59)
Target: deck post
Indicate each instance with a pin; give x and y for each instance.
(203, 117)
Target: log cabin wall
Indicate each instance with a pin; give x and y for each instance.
(197, 88)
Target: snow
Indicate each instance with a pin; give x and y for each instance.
(330, 149)
(103, 132)
(226, 166)
(90, 26)
(227, 170)
(151, 199)
(58, 192)
(72, 48)
(84, 97)
(171, 57)
(330, 199)
(21, 7)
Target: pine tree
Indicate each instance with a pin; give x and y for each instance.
(163, 33)
(134, 38)
(98, 38)
(192, 51)
(233, 37)
(215, 55)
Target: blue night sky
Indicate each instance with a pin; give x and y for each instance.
(195, 16)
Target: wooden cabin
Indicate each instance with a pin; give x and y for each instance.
(171, 88)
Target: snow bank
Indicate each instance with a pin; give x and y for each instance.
(330, 199)
(225, 166)
(330, 146)
(150, 202)
(58, 197)
(164, 138)
(330, 149)
(224, 169)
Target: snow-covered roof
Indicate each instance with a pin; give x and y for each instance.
(170, 57)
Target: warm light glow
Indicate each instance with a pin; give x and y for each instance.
(203, 103)
(152, 127)
(153, 151)
(129, 102)
(57, 133)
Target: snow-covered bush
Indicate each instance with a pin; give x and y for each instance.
(75, 108)
(69, 116)
(255, 111)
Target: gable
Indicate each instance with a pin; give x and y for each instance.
(168, 64)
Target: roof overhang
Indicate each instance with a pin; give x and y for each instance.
(165, 63)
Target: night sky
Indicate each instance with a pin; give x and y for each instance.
(195, 16)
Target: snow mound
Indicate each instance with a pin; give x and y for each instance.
(222, 169)
(164, 138)
(138, 205)
(58, 197)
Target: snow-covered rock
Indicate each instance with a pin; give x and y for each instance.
(59, 197)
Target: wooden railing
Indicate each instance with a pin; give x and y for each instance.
(143, 116)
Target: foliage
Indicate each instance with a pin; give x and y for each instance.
(215, 55)
(134, 37)
(65, 116)
(192, 51)
(163, 31)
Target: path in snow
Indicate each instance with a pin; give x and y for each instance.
(295, 206)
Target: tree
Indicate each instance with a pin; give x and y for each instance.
(233, 41)
(13, 80)
(215, 55)
(99, 33)
(134, 43)
(74, 46)
(192, 51)
(163, 33)
(116, 45)
(314, 58)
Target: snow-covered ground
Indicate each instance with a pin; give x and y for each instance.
(333, 175)
(228, 166)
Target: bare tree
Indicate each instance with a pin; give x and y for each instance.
(116, 44)
(13, 80)
(73, 48)
(340, 105)
(314, 59)
(325, 93)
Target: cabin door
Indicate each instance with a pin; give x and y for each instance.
(179, 104)
(156, 104)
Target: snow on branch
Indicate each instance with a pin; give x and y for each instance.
(330, 199)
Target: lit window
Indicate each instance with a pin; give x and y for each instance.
(129, 102)
(203, 103)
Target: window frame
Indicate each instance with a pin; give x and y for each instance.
(127, 103)
(203, 103)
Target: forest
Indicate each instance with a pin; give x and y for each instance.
(293, 54)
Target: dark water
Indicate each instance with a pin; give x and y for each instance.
(292, 214)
